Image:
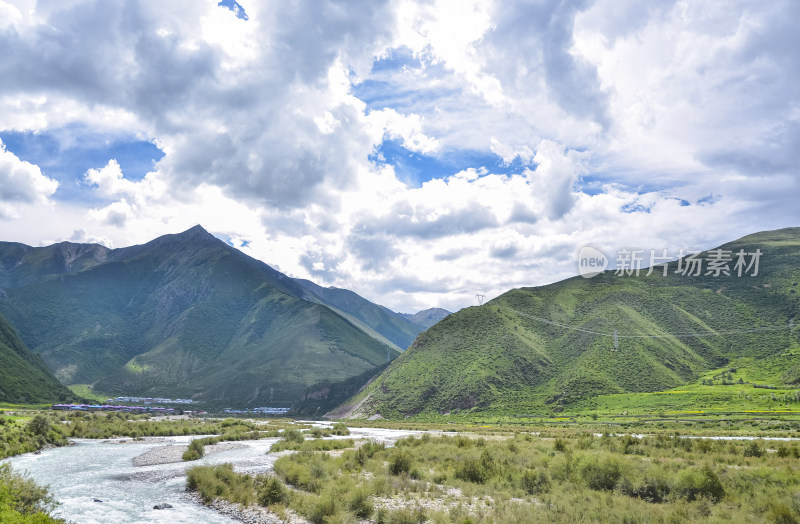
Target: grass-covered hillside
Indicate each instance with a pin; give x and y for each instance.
(24, 378)
(183, 315)
(395, 329)
(548, 349)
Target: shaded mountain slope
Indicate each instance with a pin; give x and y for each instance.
(183, 315)
(399, 330)
(24, 378)
(538, 350)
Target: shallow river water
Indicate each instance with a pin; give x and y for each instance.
(93, 470)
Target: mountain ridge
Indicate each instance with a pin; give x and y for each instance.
(182, 314)
(542, 350)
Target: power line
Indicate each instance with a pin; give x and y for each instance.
(685, 334)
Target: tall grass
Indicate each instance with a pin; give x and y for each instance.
(578, 478)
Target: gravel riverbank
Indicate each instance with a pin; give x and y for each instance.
(169, 454)
(249, 515)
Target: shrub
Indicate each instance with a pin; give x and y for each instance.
(692, 484)
(39, 425)
(360, 504)
(340, 429)
(196, 450)
(753, 450)
(652, 487)
(400, 462)
(534, 482)
(220, 481)
(21, 494)
(601, 474)
(782, 514)
(474, 470)
(325, 506)
(292, 435)
(272, 491)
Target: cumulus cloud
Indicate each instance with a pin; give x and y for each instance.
(21, 182)
(603, 120)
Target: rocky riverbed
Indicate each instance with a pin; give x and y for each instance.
(170, 454)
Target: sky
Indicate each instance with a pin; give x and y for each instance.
(419, 153)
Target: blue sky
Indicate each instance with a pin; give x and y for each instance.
(68, 162)
(419, 153)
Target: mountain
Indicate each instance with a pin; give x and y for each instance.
(183, 315)
(544, 349)
(428, 317)
(393, 328)
(24, 378)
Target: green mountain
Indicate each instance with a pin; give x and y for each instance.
(395, 329)
(183, 315)
(542, 350)
(24, 378)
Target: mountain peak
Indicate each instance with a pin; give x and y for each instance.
(196, 230)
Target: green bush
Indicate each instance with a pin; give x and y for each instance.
(324, 507)
(400, 462)
(360, 504)
(292, 435)
(692, 484)
(39, 425)
(20, 495)
(340, 429)
(535, 482)
(601, 474)
(753, 450)
(272, 491)
(475, 470)
(196, 450)
(220, 482)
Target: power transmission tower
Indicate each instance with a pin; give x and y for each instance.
(480, 299)
(270, 393)
(616, 341)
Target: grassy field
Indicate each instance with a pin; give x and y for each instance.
(571, 476)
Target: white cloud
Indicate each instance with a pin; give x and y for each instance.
(644, 106)
(21, 182)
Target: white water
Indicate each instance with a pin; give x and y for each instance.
(104, 470)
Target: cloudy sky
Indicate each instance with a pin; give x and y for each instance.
(417, 152)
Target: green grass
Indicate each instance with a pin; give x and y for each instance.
(86, 391)
(576, 477)
(500, 360)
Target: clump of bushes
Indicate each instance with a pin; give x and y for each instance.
(601, 473)
(477, 470)
(22, 500)
(220, 481)
(535, 481)
(271, 491)
(692, 484)
(400, 462)
(196, 450)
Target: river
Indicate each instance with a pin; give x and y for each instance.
(103, 470)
